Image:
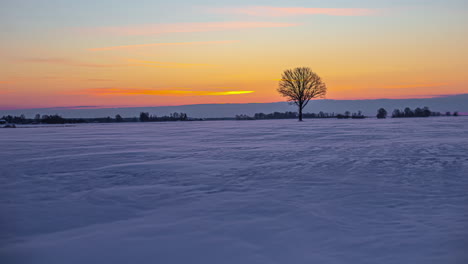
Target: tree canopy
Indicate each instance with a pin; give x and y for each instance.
(300, 85)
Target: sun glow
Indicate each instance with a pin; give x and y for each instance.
(180, 92)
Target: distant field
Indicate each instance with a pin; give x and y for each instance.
(273, 191)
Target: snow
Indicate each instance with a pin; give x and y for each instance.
(274, 191)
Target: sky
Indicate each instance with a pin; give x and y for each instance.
(121, 53)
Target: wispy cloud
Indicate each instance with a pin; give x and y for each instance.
(63, 61)
(161, 64)
(130, 63)
(269, 11)
(53, 78)
(45, 60)
(410, 86)
(152, 29)
(161, 44)
(78, 107)
(99, 80)
(166, 92)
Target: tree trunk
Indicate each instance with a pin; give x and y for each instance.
(300, 112)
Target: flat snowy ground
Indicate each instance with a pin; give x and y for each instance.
(320, 191)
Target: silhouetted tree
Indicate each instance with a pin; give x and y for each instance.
(448, 114)
(409, 112)
(418, 112)
(455, 113)
(426, 111)
(300, 85)
(396, 113)
(118, 118)
(144, 117)
(53, 119)
(382, 113)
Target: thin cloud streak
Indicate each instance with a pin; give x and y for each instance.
(99, 80)
(153, 29)
(408, 86)
(134, 63)
(160, 64)
(162, 44)
(68, 62)
(79, 107)
(169, 92)
(270, 11)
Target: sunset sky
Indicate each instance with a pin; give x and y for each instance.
(113, 53)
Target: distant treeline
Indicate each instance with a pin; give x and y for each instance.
(57, 119)
(294, 115)
(418, 112)
(348, 115)
(45, 119)
(382, 113)
(146, 117)
(408, 112)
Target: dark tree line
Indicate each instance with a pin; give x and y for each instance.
(45, 119)
(294, 115)
(348, 115)
(276, 115)
(319, 115)
(244, 117)
(146, 117)
(15, 119)
(418, 112)
(408, 112)
(382, 113)
(284, 115)
(57, 119)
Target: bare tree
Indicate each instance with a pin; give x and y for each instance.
(299, 85)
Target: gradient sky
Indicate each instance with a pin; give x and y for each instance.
(112, 53)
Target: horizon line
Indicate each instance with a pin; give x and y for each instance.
(318, 99)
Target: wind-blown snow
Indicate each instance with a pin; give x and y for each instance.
(280, 191)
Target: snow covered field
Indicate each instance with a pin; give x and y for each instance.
(280, 191)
